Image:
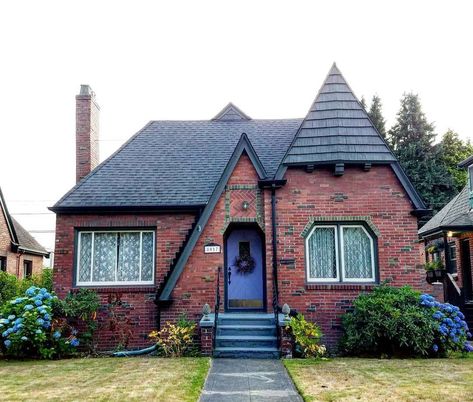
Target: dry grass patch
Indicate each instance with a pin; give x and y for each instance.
(107, 379)
(350, 379)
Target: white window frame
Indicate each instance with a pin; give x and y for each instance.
(307, 259)
(373, 273)
(116, 282)
(339, 256)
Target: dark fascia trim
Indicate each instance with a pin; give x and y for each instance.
(127, 209)
(271, 183)
(440, 229)
(24, 250)
(244, 145)
(11, 228)
(467, 162)
(410, 190)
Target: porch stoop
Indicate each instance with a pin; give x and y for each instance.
(246, 335)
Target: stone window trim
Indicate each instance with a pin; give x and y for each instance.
(341, 280)
(365, 220)
(115, 284)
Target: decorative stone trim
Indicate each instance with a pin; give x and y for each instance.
(337, 219)
(242, 187)
(337, 286)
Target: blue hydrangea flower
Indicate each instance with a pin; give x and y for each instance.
(19, 320)
(38, 331)
(11, 317)
(38, 302)
(468, 334)
(461, 315)
(56, 335)
(46, 324)
(468, 347)
(75, 342)
(24, 338)
(435, 348)
(47, 317)
(28, 307)
(40, 321)
(7, 343)
(438, 315)
(5, 333)
(31, 291)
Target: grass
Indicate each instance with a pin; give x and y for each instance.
(349, 379)
(103, 379)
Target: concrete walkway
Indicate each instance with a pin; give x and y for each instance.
(242, 380)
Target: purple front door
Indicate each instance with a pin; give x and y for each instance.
(244, 270)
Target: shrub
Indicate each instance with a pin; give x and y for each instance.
(175, 340)
(307, 337)
(399, 321)
(29, 329)
(11, 286)
(80, 310)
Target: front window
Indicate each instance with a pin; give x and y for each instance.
(27, 269)
(115, 258)
(340, 253)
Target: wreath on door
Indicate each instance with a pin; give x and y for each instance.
(244, 264)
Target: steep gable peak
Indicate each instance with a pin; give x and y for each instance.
(231, 113)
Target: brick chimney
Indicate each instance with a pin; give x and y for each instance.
(87, 132)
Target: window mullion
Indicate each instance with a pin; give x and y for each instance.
(92, 258)
(341, 256)
(141, 252)
(117, 251)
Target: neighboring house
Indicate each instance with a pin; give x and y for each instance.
(308, 212)
(448, 237)
(20, 253)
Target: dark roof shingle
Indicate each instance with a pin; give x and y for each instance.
(177, 163)
(337, 129)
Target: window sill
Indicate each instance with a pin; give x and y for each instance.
(340, 286)
(119, 289)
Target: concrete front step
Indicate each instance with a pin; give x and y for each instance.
(247, 353)
(245, 319)
(245, 341)
(251, 330)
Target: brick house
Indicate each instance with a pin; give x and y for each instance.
(20, 254)
(448, 238)
(308, 212)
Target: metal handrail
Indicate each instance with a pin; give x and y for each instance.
(275, 309)
(217, 307)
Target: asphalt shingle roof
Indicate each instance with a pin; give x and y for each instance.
(337, 129)
(455, 214)
(25, 240)
(178, 163)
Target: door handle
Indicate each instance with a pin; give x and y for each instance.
(229, 275)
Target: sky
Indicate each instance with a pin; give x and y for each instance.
(152, 60)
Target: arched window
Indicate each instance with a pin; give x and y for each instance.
(340, 253)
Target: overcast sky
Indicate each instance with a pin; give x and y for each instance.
(151, 60)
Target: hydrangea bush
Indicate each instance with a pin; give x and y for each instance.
(400, 321)
(451, 329)
(28, 328)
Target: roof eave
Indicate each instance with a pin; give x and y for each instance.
(446, 228)
(122, 209)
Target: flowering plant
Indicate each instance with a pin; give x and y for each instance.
(307, 337)
(452, 331)
(28, 328)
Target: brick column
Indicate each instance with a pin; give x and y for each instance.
(206, 329)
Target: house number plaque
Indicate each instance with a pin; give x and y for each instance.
(212, 248)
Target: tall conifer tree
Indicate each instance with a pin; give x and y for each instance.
(453, 151)
(412, 139)
(376, 115)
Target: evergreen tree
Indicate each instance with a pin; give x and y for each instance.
(412, 139)
(363, 102)
(376, 115)
(453, 151)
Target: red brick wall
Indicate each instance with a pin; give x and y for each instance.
(377, 194)
(134, 313)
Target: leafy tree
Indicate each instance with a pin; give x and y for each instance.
(376, 115)
(453, 151)
(412, 139)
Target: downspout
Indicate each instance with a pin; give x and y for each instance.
(275, 251)
(448, 263)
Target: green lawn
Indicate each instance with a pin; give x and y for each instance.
(103, 379)
(350, 379)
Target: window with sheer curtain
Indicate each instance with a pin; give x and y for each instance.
(115, 258)
(340, 253)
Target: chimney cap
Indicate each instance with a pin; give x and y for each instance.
(86, 90)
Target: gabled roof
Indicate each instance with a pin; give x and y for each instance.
(456, 215)
(337, 129)
(176, 163)
(467, 162)
(19, 236)
(244, 146)
(231, 113)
